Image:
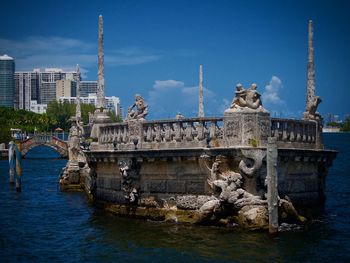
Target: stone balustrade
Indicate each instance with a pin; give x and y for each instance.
(296, 133)
(184, 133)
(199, 132)
(194, 132)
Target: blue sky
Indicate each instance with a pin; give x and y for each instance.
(155, 48)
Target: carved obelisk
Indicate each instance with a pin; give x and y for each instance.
(100, 72)
(77, 109)
(201, 103)
(310, 93)
(312, 100)
(101, 113)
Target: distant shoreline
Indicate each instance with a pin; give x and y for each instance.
(330, 129)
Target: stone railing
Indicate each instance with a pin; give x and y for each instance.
(184, 133)
(200, 132)
(114, 132)
(296, 133)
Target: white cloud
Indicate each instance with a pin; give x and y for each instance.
(273, 102)
(271, 95)
(53, 51)
(168, 97)
(167, 84)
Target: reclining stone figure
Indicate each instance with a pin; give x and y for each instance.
(247, 98)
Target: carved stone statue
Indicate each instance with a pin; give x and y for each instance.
(141, 109)
(247, 99)
(311, 107)
(73, 144)
(227, 186)
(130, 191)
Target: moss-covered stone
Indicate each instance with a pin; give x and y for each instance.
(253, 217)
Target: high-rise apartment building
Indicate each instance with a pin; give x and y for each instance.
(26, 89)
(112, 103)
(39, 85)
(66, 88)
(7, 81)
(47, 92)
(87, 87)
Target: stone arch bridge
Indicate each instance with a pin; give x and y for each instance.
(48, 140)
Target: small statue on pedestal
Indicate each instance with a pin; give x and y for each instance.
(247, 99)
(141, 109)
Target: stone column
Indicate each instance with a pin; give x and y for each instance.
(272, 184)
(312, 100)
(100, 115)
(78, 110)
(201, 104)
(310, 89)
(100, 74)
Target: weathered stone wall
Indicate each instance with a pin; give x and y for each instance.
(301, 176)
(160, 175)
(207, 168)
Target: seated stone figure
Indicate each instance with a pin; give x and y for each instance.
(247, 98)
(311, 109)
(141, 109)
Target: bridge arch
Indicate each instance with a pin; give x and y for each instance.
(51, 141)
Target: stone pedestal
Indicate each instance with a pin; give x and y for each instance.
(246, 128)
(100, 117)
(73, 173)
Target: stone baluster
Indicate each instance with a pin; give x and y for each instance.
(158, 136)
(149, 134)
(284, 131)
(188, 131)
(309, 133)
(108, 135)
(273, 123)
(125, 134)
(167, 132)
(178, 131)
(212, 130)
(101, 135)
(304, 136)
(194, 127)
(298, 131)
(119, 134)
(116, 132)
(105, 134)
(200, 131)
(292, 131)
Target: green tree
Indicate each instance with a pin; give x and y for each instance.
(346, 125)
(85, 109)
(60, 114)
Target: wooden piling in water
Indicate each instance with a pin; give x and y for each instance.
(15, 165)
(18, 167)
(11, 157)
(271, 182)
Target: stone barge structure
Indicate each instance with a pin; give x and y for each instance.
(244, 167)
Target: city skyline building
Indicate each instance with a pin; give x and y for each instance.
(87, 87)
(38, 84)
(26, 89)
(47, 92)
(112, 103)
(37, 108)
(7, 81)
(66, 88)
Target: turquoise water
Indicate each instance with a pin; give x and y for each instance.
(42, 224)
